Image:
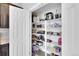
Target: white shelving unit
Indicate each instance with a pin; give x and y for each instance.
(48, 47)
(55, 38)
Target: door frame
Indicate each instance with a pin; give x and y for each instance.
(36, 7)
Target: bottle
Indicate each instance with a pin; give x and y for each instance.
(59, 41)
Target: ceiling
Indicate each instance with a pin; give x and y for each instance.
(26, 5)
(48, 6)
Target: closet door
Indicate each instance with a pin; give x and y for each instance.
(16, 34)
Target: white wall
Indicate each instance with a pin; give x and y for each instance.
(70, 29)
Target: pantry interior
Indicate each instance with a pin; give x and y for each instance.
(47, 30)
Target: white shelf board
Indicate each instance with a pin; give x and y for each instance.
(53, 30)
(38, 29)
(59, 19)
(39, 22)
(37, 34)
(41, 41)
(53, 44)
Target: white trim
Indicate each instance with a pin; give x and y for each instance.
(30, 34)
(37, 6)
